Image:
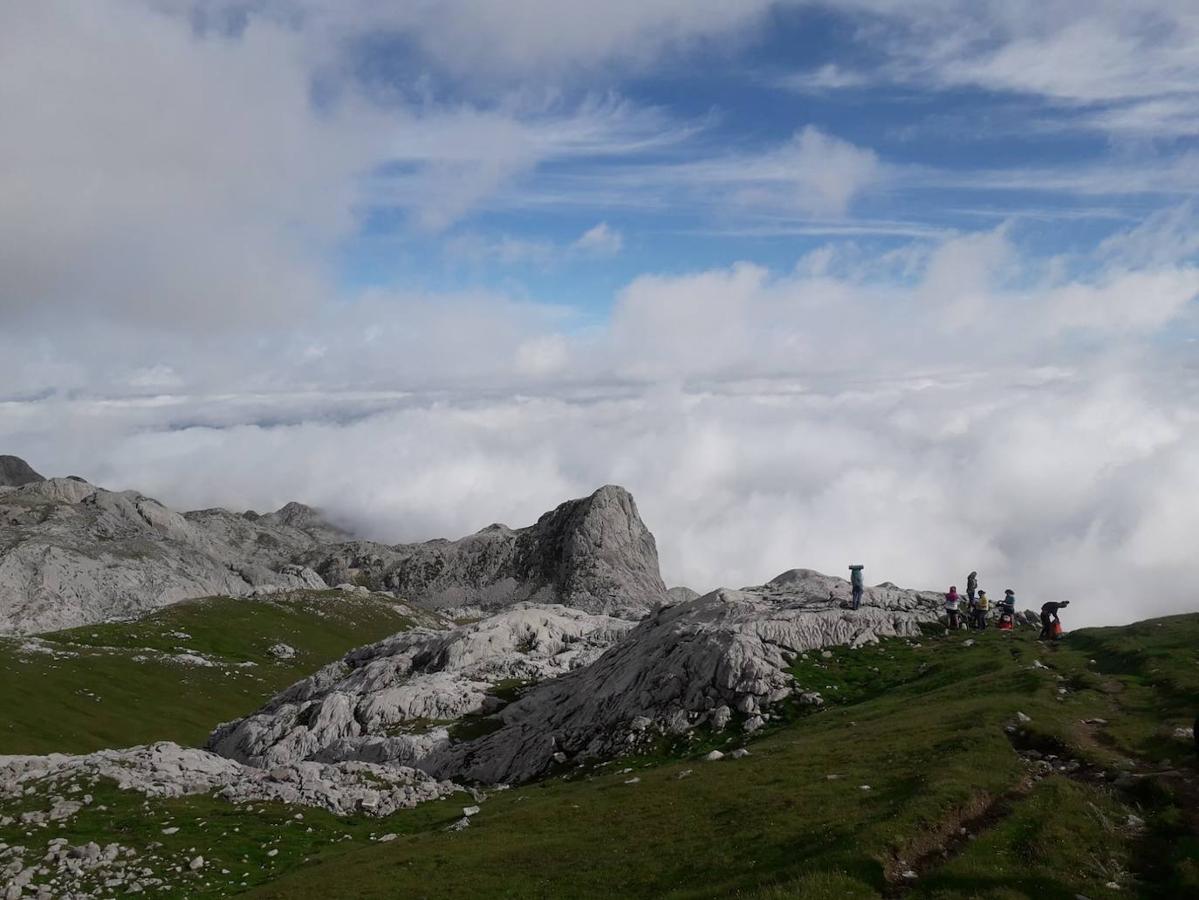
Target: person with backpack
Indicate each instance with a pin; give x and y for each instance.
(971, 586)
(981, 606)
(952, 601)
(1050, 623)
(855, 583)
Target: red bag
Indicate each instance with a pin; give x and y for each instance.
(1057, 630)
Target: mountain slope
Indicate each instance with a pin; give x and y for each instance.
(174, 673)
(931, 725)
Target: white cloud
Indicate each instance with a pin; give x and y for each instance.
(1128, 66)
(1067, 490)
(543, 38)
(153, 173)
(825, 78)
(600, 240)
(764, 420)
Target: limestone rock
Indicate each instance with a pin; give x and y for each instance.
(282, 651)
(593, 553)
(75, 554)
(374, 704)
(681, 594)
(15, 472)
(727, 649)
(168, 770)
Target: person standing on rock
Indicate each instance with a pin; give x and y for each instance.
(1049, 619)
(952, 601)
(971, 586)
(855, 584)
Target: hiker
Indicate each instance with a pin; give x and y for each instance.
(971, 586)
(1050, 623)
(951, 607)
(981, 607)
(855, 582)
(1007, 611)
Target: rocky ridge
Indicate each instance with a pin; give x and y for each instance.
(73, 554)
(718, 661)
(601, 684)
(391, 702)
(594, 554)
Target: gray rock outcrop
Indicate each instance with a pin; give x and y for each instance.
(15, 472)
(598, 686)
(74, 554)
(699, 662)
(593, 554)
(390, 701)
(168, 770)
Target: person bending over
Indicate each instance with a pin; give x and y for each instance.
(1049, 619)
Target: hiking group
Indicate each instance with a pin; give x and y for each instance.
(974, 610)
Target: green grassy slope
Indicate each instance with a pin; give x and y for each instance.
(792, 820)
(114, 685)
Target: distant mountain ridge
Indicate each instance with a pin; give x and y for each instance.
(593, 554)
(73, 554)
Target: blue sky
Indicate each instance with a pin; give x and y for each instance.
(953, 155)
(908, 281)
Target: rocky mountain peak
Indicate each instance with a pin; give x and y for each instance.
(593, 553)
(15, 472)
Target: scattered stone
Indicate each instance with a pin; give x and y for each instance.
(168, 770)
(282, 651)
(387, 838)
(469, 811)
(713, 756)
(196, 864)
(1022, 718)
(739, 753)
